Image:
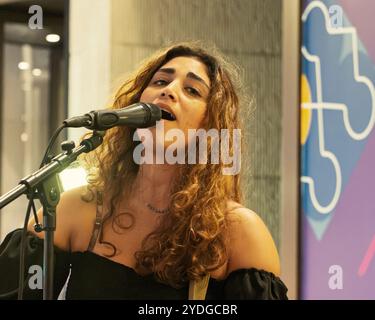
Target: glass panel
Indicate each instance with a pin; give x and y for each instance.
(25, 121)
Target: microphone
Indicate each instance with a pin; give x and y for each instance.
(137, 115)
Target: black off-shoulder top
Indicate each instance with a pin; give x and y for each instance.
(92, 276)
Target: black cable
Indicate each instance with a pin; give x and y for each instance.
(50, 144)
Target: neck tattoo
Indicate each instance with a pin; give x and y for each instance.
(156, 210)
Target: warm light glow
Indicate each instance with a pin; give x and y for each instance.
(72, 178)
(36, 72)
(52, 37)
(23, 65)
(24, 137)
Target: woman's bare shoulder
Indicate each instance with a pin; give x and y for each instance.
(250, 243)
(73, 216)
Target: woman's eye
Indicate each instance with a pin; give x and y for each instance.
(160, 82)
(193, 91)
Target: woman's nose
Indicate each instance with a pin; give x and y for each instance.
(164, 94)
(169, 92)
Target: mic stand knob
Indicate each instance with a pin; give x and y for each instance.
(68, 146)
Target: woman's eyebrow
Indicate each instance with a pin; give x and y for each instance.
(167, 70)
(194, 76)
(189, 75)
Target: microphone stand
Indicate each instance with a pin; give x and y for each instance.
(46, 182)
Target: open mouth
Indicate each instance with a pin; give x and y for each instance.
(167, 115)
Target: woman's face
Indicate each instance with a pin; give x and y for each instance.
(181, 87)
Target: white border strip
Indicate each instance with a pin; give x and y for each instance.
(289, 187)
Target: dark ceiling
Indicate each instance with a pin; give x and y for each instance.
(15, 16)
(50, 6)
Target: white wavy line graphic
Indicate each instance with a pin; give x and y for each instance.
(333, 106)
(357, 77)
(324, 153)
(320, 105)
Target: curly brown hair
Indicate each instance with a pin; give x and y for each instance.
(191, 240)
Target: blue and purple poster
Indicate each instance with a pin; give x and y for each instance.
(338, 150)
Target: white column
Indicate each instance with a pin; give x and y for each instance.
(89, 60)
(290, 147)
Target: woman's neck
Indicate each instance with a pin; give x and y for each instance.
(153, 184)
